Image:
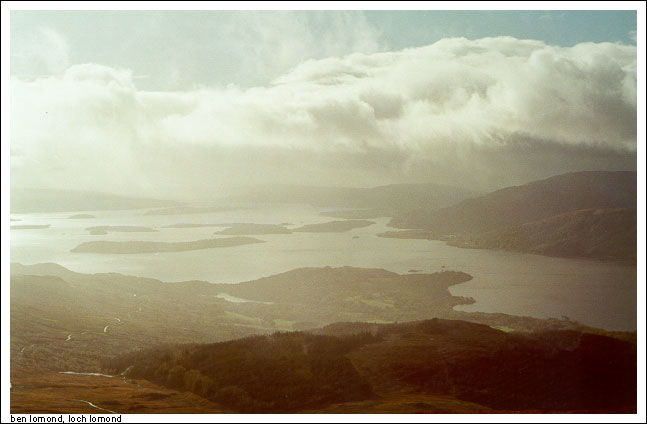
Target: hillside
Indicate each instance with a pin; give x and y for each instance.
(513, 206)
(63, 321)
(107, 313)
(593, 233)
(29, 200)
(582, 214)
(430, 363)
(100, 394)
(392, 197)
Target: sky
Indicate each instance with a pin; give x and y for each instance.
(183, 104)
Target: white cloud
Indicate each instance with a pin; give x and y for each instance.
(427, 112)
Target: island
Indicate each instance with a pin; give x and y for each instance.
(254, 229)
(334, 226)
(81, 216)
(159, 246)
(190, 225)
(105, 229)
(29, 227)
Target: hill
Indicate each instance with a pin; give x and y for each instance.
(593, 233)
(29, 200)
(472, 364)
(66, 321)
(530, 202)
(582, 214)
(100, 394)
(107, 313)
(394, 196)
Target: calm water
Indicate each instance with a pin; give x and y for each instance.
(595, 293)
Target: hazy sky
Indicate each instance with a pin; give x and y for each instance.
(180, 103)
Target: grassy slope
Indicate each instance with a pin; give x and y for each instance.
(470, 364)
(582, 214)
(531, 202)
(593, 233)
(66, 321)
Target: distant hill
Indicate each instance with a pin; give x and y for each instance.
(334, 226)
(30, 200)
(425, 366)
(185, 210)
(526, 217)
(593, 233)
(394, 196)
(530, 202)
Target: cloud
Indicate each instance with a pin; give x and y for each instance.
(440, 112)
(268, 44)
(249, 47)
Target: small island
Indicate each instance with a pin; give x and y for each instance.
(190, 225)
(81, 216)
(254, 229)
(334, 226)
(29, 227)
(158, 246)
(105, 229)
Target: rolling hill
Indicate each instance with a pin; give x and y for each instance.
(593, 233)
(30, 200)
(531, 202)
(72, 323)
(391, 197)
(476, 366)
(589, 214)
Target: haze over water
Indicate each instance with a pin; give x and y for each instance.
(596, 293)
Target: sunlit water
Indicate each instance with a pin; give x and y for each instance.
(596, 293)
